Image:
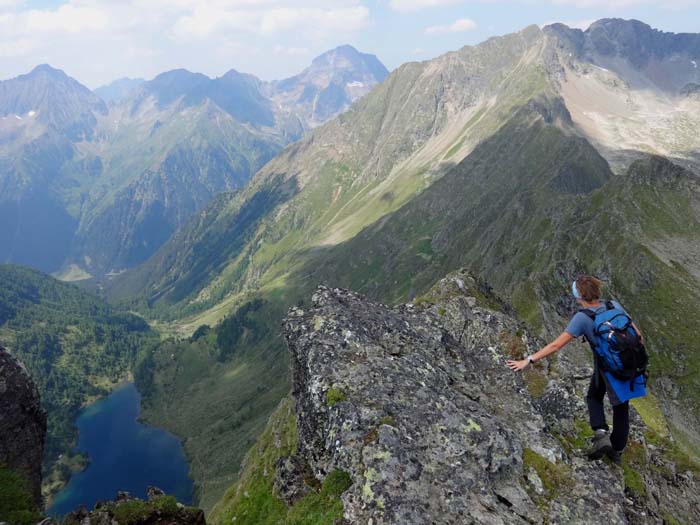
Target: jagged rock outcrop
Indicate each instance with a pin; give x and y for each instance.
(416, 404)
(22, 423)
(159, 509)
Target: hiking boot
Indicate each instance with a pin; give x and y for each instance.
(601, 445)
(615, 456)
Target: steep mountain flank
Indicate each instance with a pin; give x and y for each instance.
(42, 116)
(22, 434)
(625, 85)
(386, 148)
(414, 408)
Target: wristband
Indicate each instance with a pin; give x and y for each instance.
(531, 359)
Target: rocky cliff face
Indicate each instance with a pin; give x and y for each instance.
(416, 404)
(22, 423)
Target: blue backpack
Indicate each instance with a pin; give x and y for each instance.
(617, 346)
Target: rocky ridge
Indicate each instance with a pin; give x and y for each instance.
(416, 405)
(22, 424)
(158, 509)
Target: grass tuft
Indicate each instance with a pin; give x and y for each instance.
(335, 396)
(555, 477)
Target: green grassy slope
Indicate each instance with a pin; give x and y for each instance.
(16, 501)
(216, 390)
(346, 175)
(75, 346)
(253, 500)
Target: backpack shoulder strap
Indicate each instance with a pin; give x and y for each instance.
(609, 305)
(588, 313)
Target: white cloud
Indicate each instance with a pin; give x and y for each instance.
(209, 19)
(143, 52)
(318, 21)
(66, 19)
(148, 36)
(291, 51)
(415, 5)
(620, 4)
(16, 48)
(10, 4)
(458, 26)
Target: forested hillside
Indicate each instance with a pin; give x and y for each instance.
(74, 345)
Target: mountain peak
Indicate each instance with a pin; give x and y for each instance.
(636, 42)
(347, 57)
(46, 69)
(56, 98)
(618, 24)
(333, 81)
(345, 50)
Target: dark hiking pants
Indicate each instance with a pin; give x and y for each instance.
(596, 410)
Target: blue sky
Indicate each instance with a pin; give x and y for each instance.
(97, 41)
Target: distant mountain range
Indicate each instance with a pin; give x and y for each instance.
(93, 183)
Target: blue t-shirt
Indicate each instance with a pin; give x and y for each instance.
(581, 324)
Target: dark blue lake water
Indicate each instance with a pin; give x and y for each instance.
(124, 455)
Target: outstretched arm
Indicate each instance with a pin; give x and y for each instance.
(556, 345)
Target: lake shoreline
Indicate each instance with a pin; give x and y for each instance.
(124, 454)
(73, 462)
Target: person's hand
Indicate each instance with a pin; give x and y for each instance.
(517, 365)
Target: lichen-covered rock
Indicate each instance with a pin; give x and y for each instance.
(291, 479)
(417, 405)
(22, 423)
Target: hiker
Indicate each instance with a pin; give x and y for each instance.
(619, 366)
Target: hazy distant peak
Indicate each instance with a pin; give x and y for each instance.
(333, 81)
(347, 57)
(234, 74)
(177, 75)
(346, 51)
(619, 25)
(46, 69)
(118, 89)
(169, 86)
(54, 98)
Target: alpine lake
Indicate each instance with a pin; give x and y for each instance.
(124, 455)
